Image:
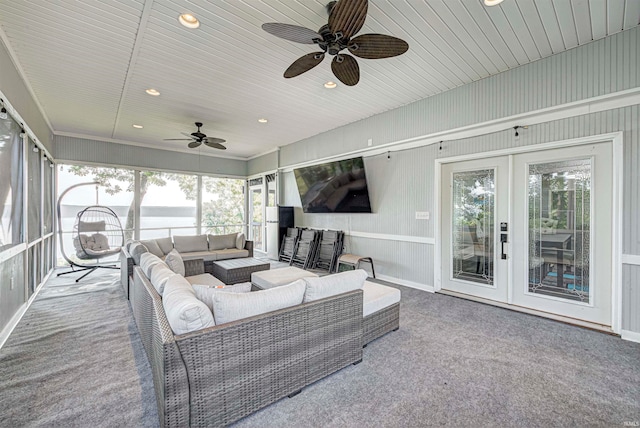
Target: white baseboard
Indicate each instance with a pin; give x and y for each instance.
(411, 284)
(631, 336)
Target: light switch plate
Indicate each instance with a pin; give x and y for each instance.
(422, 215)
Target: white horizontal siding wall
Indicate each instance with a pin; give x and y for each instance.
(403, 184)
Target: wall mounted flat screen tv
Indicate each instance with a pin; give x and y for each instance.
(334, 187)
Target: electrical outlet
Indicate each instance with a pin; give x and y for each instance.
(422, 215)
(370, 142)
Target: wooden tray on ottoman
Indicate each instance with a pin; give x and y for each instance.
(233, 271)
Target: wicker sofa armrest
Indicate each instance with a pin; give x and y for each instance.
(193, 267)
(248, 245)
(126, 270)
(237, 368)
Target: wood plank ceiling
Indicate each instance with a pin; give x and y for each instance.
(89, 62)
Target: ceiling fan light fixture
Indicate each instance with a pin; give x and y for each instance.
(153, 92)
(138, 126)
(330, 85)
(492, 2)
(263, 120)
(189, 21)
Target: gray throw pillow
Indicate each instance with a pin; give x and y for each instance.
(221, 242)
(165, 244)
(189, 244)
(153, 247)
(184, 311)
(136, 250)
(240, 241)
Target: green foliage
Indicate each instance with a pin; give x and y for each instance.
(225, 207)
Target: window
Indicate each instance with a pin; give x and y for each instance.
(222, 205)
(11, 184)
(115, 191)
(167, 204)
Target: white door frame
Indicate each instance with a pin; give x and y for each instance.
(616, 138)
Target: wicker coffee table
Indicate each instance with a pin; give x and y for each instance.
(234, 271)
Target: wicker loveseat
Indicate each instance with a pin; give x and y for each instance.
(217, 375)
(206, 247)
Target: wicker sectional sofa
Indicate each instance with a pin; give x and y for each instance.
(219, 374)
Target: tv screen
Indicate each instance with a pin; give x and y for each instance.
(334, 187)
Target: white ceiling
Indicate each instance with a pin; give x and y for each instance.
(88, 62)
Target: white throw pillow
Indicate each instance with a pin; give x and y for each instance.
(240, 241)
(147, 261)
(330, 285)
(205, 293)
(136, 250)
(184, 311)
(160, 273)
(175, 262)
(229, 307)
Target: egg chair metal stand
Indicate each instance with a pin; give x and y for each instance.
(97, 233)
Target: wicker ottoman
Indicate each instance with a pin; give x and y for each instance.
(274, 278)
(233, 271)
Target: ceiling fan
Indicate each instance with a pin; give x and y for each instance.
(198, 138)
(346, 18)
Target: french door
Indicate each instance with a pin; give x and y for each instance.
(532, 230)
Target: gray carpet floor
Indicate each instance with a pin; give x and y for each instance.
(76, 359)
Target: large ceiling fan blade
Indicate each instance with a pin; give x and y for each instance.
(304, 64)
(194, 144)
(215, 145)
(213, 140)
(376, 46)
(347, 17)
(345, 68)
(177, 139)
(294, 33)
(187, 135)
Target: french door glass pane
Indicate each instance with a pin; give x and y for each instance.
(473, 218)
(559, 229)
(256, 216)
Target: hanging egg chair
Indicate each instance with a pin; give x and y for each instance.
(97, 234)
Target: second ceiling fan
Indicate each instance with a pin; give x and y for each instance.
(197, 138)
(346, 18)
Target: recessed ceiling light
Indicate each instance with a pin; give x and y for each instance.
(188, 20)
(153, 92)
(330, 85)
(138, 126)
(492, 2)
(263, 120)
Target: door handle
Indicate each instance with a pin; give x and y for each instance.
(503, 240)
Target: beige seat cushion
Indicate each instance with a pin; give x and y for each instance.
(204, 255)
(377, 296)
(204, 279)
(273, 278)
(231, 253)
